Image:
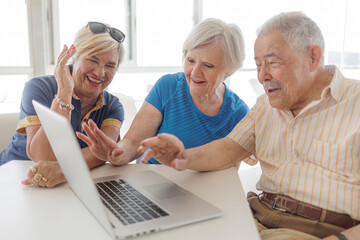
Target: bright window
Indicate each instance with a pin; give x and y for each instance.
(156, 30)
(75, 14)
(14, 55)
(162, 27)
(334, 16)
(352, 36)
(338, 20)
(14, 41)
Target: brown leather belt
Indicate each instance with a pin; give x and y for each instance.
(293, 206)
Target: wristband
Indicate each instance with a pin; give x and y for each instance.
(63, 105)
(340, 236)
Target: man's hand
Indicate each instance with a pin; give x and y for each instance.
(167, 149)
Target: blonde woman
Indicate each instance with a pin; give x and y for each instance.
(75, 91)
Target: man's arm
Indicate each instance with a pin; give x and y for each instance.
(170, 151)
(350, 234)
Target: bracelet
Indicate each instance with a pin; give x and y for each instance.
(63, 105)
(340, 236)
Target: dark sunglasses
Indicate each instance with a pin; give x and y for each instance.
(97, 27)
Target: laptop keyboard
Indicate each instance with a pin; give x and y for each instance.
(127, 204)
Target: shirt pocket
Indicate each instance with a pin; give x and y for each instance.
(331, 156)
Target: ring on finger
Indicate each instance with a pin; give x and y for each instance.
(37, 177)
(33, 170)
(44, 179)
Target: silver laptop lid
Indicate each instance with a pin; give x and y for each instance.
(67, 151)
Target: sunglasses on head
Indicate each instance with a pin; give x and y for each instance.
(97, 27)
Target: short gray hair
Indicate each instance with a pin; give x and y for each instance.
(299, 31)
(213, 31)
(88, 43)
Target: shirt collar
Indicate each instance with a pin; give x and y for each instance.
(99, 103)
(335, 88)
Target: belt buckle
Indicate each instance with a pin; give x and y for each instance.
(273, 206)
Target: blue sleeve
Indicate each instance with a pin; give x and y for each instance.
(241, 109)
(42, 89)
(162, 91)
(116, 109)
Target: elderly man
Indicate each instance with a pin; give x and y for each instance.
(305, 132)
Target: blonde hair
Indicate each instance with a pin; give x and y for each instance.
(88, 43)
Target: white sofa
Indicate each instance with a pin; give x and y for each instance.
(129, 111)
(8, 123)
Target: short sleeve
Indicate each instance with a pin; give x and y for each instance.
(241, 108)
(115, 111)
(244, 132)
(163, 90)
(41, 89)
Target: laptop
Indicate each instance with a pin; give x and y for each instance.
(127, 205)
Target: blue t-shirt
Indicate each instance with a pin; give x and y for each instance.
(171, 96)
(107, 111)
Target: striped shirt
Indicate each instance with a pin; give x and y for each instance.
(313, 157)
(171, 96)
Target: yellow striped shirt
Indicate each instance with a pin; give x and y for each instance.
(313, 157)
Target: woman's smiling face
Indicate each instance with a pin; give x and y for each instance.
(92, 74)
(204, 68)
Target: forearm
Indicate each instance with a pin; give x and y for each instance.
(217, 155)
(129, 154)
(145, 125)
(90, 158)
(38, 147)
(351, 234)
(130, 147)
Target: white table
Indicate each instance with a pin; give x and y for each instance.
(35, 213)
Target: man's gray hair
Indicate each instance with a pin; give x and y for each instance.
(299, 31)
